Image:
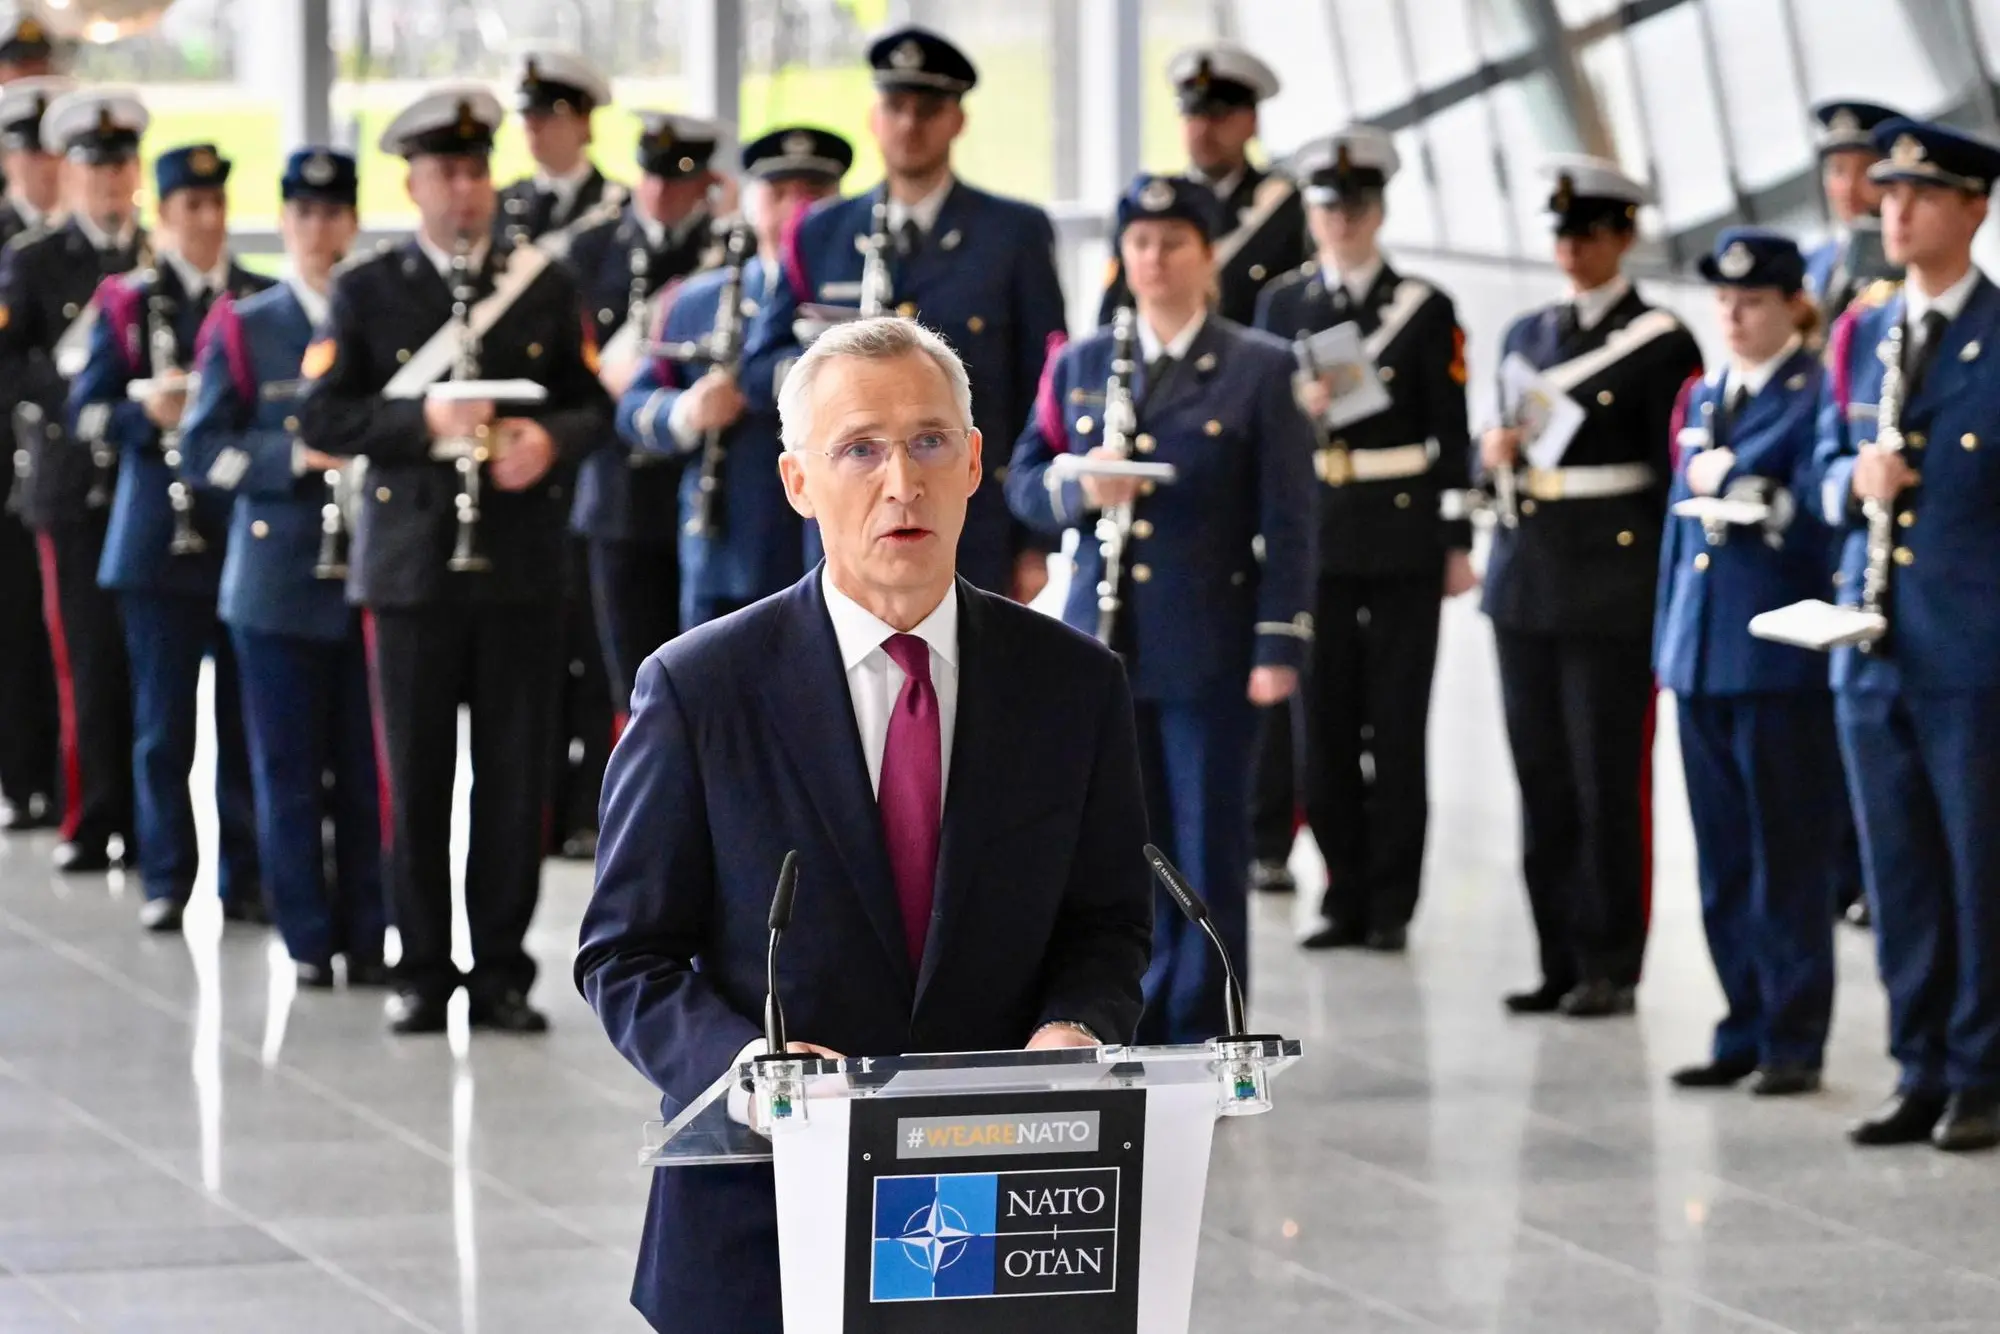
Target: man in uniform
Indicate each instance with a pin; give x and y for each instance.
(1386, 555)
(1852, 257)
(1570, 589)
(25, 50)
(556, 93)
(28, 743)
(47, 281)
(441, 635)
(975, 267)
(164, 548)
(625, 500)
(755, 545)
(1907, 436)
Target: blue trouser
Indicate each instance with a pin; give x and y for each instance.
(166, 637)
(1924, 771)
(305, 708)
(1764, 787)
(1194, 757)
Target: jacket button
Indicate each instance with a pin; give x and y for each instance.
(1257, 273)
(1905, 556)
(1213, 427)
(402, 355)
(70, 309)
(555, 493)
(1147, 487)
(1916, 439)
(1085, 425)
(1701, 561)
(1141, 573)
(976, 324)
(1907, 519)
(1143, 528)
(1387, 374)
(1000, 475)
(1402, 500)
(1627, 538)
(1238, 579)
(52, 431)
(260, 529)
(1604, 398)
(1969, 440)
(605, 316)
(1145, 444)
(292, 425)
(382, 493)
(908, 310)
(1528, 507)
(534, 349)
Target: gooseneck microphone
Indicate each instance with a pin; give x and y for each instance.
(1196, 911)
(781, 917)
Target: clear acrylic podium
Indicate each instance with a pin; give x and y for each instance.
(987, 1192)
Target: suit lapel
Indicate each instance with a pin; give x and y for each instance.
(806, 691)
(1190, 375)
(976, 759)
(1950, 366)
(947, 237)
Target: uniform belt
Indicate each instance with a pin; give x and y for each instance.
(1338, 467)
(1595, 483)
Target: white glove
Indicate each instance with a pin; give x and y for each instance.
(1706, 470)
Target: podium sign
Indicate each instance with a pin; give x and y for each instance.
(991, 1193)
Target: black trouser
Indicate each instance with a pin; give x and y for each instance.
(503, 661)
(1578, 720)
(582, 739)
(93, 687)
(1369, 698)
(29, 719)
(1274, 782)
(635, 588)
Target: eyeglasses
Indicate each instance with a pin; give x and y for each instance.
(936, 448)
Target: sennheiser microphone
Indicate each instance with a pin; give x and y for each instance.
(1196, 911)
(781, 917)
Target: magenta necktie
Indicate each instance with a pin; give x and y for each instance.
(912, 790)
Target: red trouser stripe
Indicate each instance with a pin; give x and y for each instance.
(384, 792)
(72, 762)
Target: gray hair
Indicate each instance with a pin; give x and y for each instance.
(882, 338)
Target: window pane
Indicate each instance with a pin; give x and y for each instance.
(1165, 27)
(1866, 48)
(1445, 45)
(1295, 39)
(1576, 13)
(1678, 97)
(1532, 122)
(1765, 105)
(1607, 67)
(1475, 210)
(1372, 54)
(1410, 204)
(1501, 27)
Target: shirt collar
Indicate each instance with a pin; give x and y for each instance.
(314, 304)
(1149, 342)
(193, 280)
(1949, 302)
(564, 188)
(1358, 282)
(30, 216)
(441, 259)
(1594, 305)
(861, 632)
(1754, 378)
(925, 210)
(1223, 186)
(102, 239)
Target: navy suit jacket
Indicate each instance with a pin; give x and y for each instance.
(743, 745)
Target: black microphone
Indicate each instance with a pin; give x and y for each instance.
(781, 917)
(1196, 911)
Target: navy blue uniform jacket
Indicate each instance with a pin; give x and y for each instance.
(743, 745)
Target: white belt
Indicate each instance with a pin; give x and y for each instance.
(1598, 483)
(1338, 467)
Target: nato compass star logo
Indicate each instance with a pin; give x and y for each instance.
(936, 1237)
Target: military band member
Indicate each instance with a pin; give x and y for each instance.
(442, 632)
(163, 551)
(1386, 555)
(1570, 588)
(30, 797)
(757, 548)
(1852, 257)
(47, 282)
(1207, 630)
(298, 644)
(625, 502)
(1919, 710)
(26, 52)
(974, 267)
(556, 93)
(1756, 718)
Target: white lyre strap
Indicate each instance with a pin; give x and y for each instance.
(435, 357)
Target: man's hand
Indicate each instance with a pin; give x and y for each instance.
(1271, 685)
(812, 1049)
(1500, 447)
(617, 376)
(447, 419)
(1102, 493)
(714, 403)
(167, 402)
(314, 461)
(523, 453)
(1314, 394)
(1459, 576)
(1031, 575)
(1051, 1037)
(1706, 470)
(1880, 474)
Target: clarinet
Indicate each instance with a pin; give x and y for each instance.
(332, 561)
(1114, 523)
(467, 455)
(638, 315)
(725, 353)
(187, 541)
(877, 287)
(103, 458)
(1881, 515)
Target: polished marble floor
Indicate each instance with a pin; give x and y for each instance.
(187, 1146)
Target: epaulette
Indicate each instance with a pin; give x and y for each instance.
(1875, 294)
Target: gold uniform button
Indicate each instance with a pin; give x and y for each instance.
(1141, 573)
(1084, 425)
(1147, 488)
(908, 310)
(70, 309)
(292, 424)
(402, 355)
(976, 325)
(1145, 444)
(1000, 473)
(604, 316)
(1257, 273)
(1143, 528)
(260, 529)
(534, 349)
(1402, 500)
(1907, 519)
(382, 493)
(1604, 398)
(1628, 537)
(1528, 507)
(1701, 561)
(1905, 556)
(1916, 440)
(1387, 374)
(1969, 440)
(1213, 427)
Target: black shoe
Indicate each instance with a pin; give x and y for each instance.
(367, 973)
(1906, 1118)
(1714, 1075)
(1597, 1000)
(37, 812)
(161, 915)
(82, 858)
(1334, 936)
(1857, 915)
(1544, 999)
(314, 976)
(1272, 878)
(1785, 1081)
(508, 1012)
(250, 911)
(1388, 940)
(413, 1012)
(580, 846)
(1971, 1122)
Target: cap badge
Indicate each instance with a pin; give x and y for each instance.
(106, 122)
(1157, 195)
(1565, 194)
(1736, 261)
(1907, 151)
(1844, 122)
(468, 124)
(1204, 74)
(318, 170)
(532, 76)
(203, 162)
(798, 144)
(27, 30)
(1343, 159)
(907, 54)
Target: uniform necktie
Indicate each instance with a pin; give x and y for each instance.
(909, 238)
(1732, 408)
(1917, 364)
(1568, 322)
(911, 795)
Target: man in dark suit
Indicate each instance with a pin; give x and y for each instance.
(1008, 906)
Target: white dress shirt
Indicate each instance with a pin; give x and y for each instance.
(1357, 282)
(1754, 378)
(1948, 303)
(925, 211)
(1592, 306)
(564, 188)
(441, 258)
(1223, 186)
(1150, 346)
(874, 680)
(314, 304)
(194, 281)
(104, 240)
